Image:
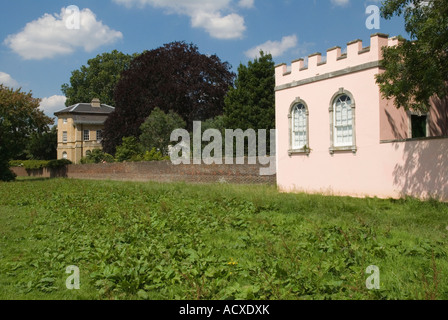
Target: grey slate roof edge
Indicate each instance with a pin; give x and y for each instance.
(72, 109)
(90, 122)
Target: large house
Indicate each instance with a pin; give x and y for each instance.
(80, 129)
(336, 134)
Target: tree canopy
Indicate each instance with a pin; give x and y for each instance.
(43, 145)
(20, 117)
(417, 69)
(251, 103)
(157, 128)
(98, 79)
(175, 77)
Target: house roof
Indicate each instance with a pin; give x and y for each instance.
(90, 118)
(86, 108)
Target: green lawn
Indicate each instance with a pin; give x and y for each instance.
(180, 241)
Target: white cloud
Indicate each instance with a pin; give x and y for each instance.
(275, 48)
(246, 3)
(52, 104)
(8, 81)
(227, 27)
(49, 36)
(340, 2)
(217, 17)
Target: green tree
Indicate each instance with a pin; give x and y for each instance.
(98, 79)
(129, 149)
(217, 123)
(417, 69)
(157, 129)
(20, 117)
(251, 103)
(173, 77)
(43, 145)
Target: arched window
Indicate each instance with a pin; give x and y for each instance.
(342, 118)
(299, 127)
(64, 155)
(343, 122)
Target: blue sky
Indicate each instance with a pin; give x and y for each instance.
(38, 52)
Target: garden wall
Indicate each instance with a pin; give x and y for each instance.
(163, 171)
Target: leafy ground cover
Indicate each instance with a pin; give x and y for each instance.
(179, 241)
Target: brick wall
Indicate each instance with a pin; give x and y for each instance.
(163, 171)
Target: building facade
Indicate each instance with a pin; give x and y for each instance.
(336, 134)
(80, 129)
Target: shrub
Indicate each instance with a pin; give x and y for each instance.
(58, 163)
(97, 156)
(6, 174)
(153, 155)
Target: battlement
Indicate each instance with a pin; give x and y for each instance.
(335, 60)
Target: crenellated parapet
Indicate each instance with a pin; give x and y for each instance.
(356, 55)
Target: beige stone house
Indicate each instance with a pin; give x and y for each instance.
(80, 129)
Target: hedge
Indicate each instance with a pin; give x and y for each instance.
(39, 164)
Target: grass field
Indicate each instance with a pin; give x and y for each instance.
(179, 241)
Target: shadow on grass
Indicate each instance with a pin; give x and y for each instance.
(26, 179)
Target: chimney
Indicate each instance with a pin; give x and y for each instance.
(96, 103)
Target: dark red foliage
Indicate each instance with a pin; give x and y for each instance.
(173, 77)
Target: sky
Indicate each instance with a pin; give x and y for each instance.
(42, 42)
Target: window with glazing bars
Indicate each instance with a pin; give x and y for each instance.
(343, 122)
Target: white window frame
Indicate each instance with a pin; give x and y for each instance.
(64, 155)
(334, 146)
(64, 136)
(100, 136)
(300, 149)
(86, 133)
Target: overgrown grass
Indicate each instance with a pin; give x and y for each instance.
(179, 241)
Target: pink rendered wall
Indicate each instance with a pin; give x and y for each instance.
(417, 168)
(394, 123)
(438, 125)
(334, 60)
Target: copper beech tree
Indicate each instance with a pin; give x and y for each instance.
(175, 77)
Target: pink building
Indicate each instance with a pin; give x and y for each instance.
(337, 135)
